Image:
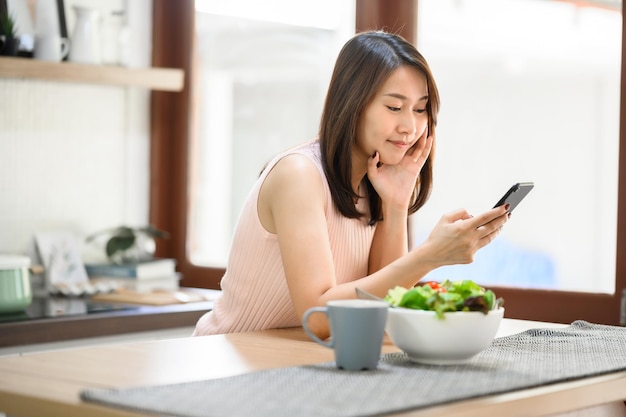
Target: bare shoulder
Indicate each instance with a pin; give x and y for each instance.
(294, 185)
(293, 173)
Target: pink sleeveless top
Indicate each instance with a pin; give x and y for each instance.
(254, 288)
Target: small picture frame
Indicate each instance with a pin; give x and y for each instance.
(59, 252)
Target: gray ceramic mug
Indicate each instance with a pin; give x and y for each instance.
(357, 328)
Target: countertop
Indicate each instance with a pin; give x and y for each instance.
(54, 319)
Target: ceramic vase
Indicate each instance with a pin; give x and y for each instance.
(85, 46)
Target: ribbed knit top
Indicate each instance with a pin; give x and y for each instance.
(254, 288)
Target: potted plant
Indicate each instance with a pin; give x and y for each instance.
(126, 244)
(9, 41)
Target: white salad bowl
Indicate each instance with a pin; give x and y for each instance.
(455, 338)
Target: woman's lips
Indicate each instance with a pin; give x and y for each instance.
(400, 144)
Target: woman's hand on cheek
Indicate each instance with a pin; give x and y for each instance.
(395, 183)
(418, 154)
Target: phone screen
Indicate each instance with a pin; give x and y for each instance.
(515, 195)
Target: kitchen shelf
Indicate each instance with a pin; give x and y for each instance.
(162, 79)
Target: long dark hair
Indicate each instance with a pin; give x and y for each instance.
(364, 64)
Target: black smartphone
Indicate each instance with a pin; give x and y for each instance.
(515, 194)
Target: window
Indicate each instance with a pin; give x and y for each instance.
(171, 185)
(261, 78)
(530, 92)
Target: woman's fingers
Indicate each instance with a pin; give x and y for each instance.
(425, 151)
(460, 214)
(490, 220)
(488, 231)
(478, 231)
(488, 237)
(372, 165)
(421, 149)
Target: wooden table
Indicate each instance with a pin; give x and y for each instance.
(48, 384)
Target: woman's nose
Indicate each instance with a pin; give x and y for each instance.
(407, 125)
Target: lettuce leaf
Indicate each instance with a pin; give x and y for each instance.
(462, 295)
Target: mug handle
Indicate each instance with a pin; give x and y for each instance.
(312, 335)
(65, 47)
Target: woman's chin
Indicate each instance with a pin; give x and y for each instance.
(391, 159)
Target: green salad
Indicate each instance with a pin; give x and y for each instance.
(463, 295)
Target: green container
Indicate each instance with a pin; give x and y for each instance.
(15, 290)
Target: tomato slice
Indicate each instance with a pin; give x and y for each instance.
(435, 286)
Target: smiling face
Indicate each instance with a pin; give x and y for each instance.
(395, 118)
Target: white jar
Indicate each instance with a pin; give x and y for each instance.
(85, 47)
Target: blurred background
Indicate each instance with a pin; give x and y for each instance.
(530, 91)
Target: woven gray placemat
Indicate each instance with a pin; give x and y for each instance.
(529, 359)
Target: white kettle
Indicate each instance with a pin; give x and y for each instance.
(85, 37)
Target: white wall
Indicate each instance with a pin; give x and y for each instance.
(74, 157)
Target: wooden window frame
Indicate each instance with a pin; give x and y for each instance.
(173, 34)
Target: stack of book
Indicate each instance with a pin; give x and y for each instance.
(145, 276)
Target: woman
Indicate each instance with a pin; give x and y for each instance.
(331, 215)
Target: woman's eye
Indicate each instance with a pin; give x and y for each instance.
(393, 108)
(419, 110)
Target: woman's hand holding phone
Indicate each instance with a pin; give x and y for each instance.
(458, 235)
